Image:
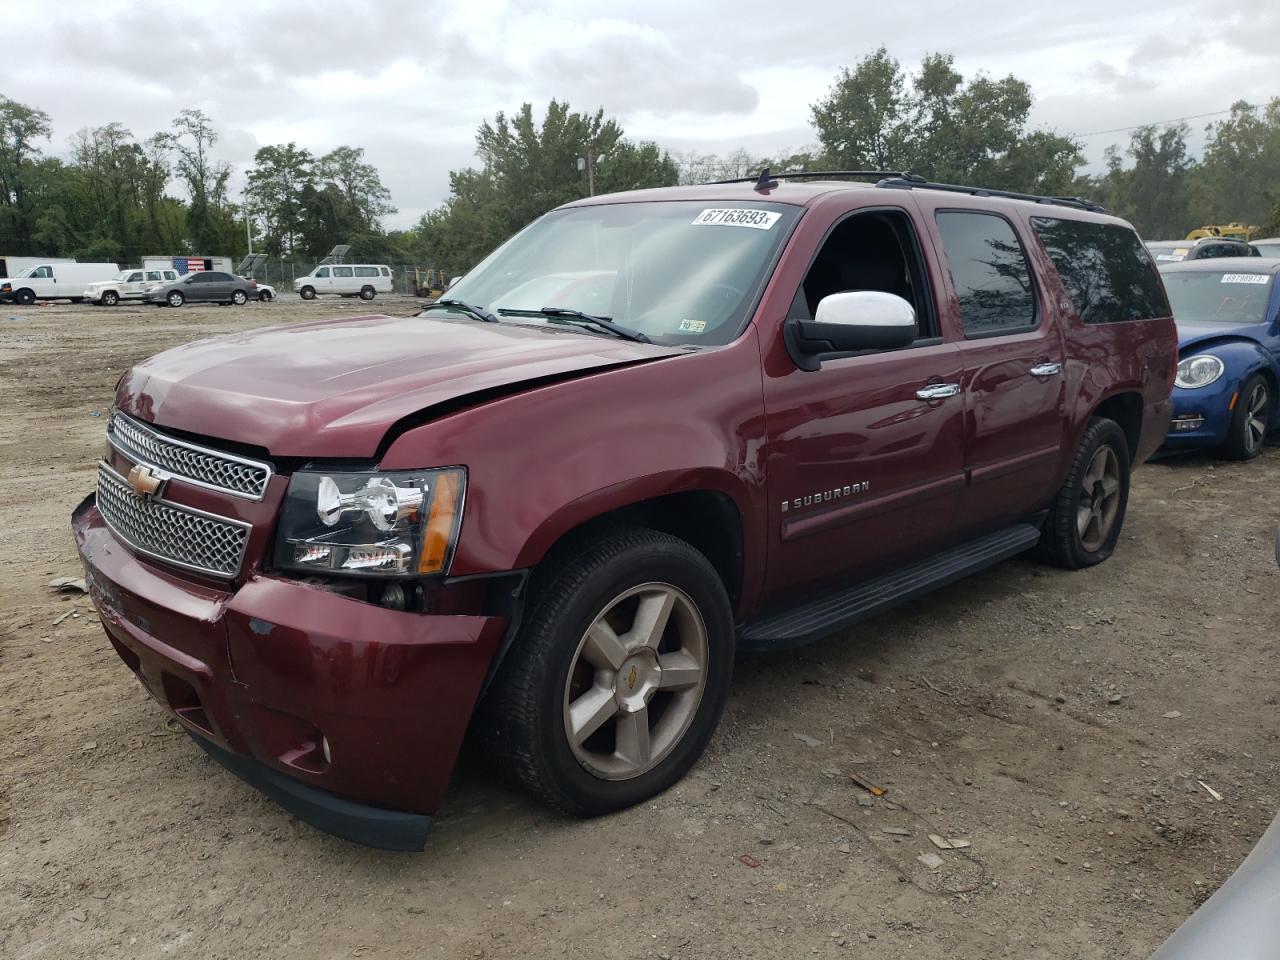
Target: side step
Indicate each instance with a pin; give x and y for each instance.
(816, 619)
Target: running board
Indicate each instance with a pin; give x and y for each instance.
(816, 619)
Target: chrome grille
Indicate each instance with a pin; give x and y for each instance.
(200, 465)
(183, 536)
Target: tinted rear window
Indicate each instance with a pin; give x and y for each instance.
(990, 272)
(1108, 273)
(366, 271)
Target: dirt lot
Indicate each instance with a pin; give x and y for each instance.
(1060, 722)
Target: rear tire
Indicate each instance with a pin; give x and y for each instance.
(367, 293)
(1085, 519)
(589, 739)
(1250, 420)
(239, 298)
(307, 293)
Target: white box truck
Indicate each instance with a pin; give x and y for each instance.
(188, 264)
(54, 280)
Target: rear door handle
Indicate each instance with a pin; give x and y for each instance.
(938, 391)
(1046, 369)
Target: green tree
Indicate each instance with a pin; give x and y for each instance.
(1153, 193)
(935, 123)
(526, 170)
(191, 139)
(358, 182)
(21, 128)
(275, 194)
(1239, 177)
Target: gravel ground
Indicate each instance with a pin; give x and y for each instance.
(1059, 722)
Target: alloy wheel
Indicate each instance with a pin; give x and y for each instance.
(635, 681)
(1257, 409)
(1099, 499)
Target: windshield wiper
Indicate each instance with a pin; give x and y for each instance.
(567, 315)
(480, 313)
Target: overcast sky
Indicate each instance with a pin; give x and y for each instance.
(410, 81)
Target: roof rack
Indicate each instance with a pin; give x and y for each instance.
(913, 183)
(904, 180)
(762, 179)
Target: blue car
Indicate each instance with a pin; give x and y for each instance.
(1228, 383)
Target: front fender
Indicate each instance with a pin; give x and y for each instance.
(543, 461)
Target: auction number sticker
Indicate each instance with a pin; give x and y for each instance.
(737, 217)
(1245, 278)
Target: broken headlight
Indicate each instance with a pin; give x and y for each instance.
(401, 523)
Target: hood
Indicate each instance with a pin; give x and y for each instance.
(1192, 334)
(332, 388)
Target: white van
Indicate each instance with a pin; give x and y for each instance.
(55, 281)
(361, 280)
(127, 285)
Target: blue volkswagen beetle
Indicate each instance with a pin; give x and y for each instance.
(1228, 383)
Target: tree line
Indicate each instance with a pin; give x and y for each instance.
(112, 196)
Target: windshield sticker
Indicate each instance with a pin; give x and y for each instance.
(724, 217)
(693, 326)
(1245, 278)
(1171, 256)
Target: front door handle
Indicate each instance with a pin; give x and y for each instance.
(938, 391)
(1046, 369)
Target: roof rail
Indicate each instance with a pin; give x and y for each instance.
(764, 176)
(914, 183)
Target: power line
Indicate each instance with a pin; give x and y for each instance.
(1154, 123)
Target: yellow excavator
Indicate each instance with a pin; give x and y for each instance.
(1236, 231)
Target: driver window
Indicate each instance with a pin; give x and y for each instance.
(134, 277)
(322, 272)
(43, 273)
(869, 251)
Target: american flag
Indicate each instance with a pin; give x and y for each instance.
(185, 265)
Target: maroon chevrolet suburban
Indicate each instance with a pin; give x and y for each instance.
(651, 430)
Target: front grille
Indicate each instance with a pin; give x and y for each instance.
(207, 468)
(185, 537)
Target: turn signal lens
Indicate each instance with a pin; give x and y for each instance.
(442, 523)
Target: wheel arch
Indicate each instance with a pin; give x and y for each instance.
(706, 516)
(1125, 409)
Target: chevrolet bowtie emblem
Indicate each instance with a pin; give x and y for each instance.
(631, 679)
(145, 483)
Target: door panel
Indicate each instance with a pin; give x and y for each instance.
(862, 473)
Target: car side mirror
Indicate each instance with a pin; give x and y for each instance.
(848, 322)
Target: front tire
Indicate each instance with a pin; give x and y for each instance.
(25, 297)
(239, 298)
(307, 293)
(110, 298)
(1085, 519)
(619, 674)
(1250, 420)
(175, 299)
(264, 296)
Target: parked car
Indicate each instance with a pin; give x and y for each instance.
(207, 286)
(127, 285)
(1228, 316)
(363, 280)
(1206, 248)
(266, 292)
(330, 549)
(55, 280)
(12, 266)
(1267, 246)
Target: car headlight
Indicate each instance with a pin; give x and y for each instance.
(1199, 371)
(400, 523)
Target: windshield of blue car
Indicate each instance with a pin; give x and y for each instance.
(675, 271)
(1211, 296)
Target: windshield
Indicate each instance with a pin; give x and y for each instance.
(1268, 249)
(676, 271)
(1212, 296)
(1169, 251)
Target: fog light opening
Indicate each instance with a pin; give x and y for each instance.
(1190, 421)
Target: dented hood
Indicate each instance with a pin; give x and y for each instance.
(332, 388)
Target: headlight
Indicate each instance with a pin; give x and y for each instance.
(1198, 371)
(387, 524)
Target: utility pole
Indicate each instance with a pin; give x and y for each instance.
(588, 163)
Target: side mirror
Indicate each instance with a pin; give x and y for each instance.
(851, 321)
